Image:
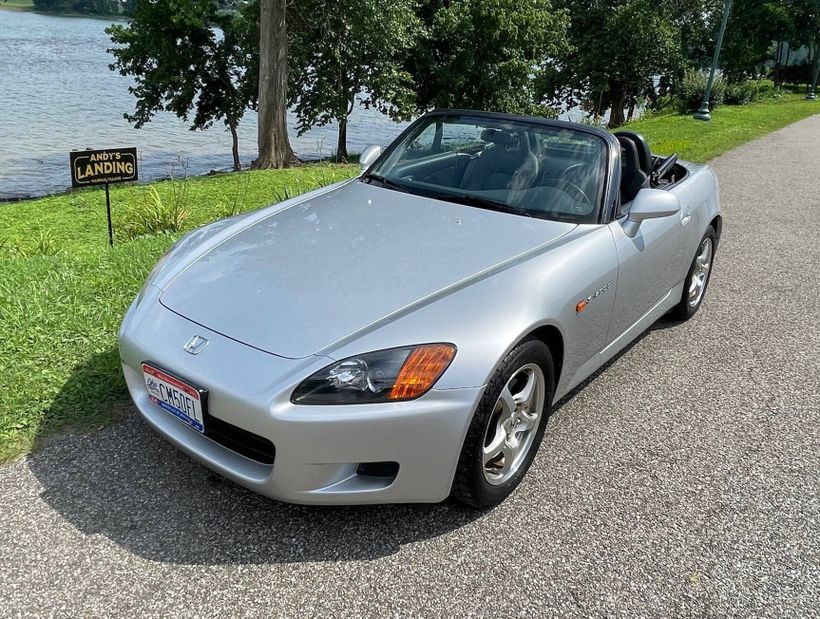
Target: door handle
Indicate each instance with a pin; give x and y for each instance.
(685, 216)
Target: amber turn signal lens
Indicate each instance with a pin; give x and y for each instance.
(581, 306)
(421, 370)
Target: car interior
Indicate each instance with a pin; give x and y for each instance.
(639, 168)
(526, 169)
(552, 173)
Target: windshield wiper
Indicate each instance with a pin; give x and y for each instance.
(492, 205)
(385, 182)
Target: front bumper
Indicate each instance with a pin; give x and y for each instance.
(318, 449)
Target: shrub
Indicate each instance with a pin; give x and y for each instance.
(153, 215)
(749, 91)
(664, 104)
(767, 90)
(690, 91)
(796, 73)
(741, 93)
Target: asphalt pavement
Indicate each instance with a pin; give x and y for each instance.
(682, 481)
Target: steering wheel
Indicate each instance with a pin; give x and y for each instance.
(575, 188)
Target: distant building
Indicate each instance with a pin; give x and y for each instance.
(785, 55)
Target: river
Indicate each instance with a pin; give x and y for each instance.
(57, 94)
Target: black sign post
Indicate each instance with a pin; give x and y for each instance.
(108, 212)
(103, 167)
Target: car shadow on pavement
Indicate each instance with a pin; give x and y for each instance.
(660, 325)
(126, 483)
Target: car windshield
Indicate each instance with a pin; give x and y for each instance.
(530, 169)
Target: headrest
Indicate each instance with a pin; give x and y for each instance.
(498, 137)
(642, 146)
(629, 158)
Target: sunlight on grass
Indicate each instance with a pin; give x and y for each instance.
(63, 292)
(17, 4)
(731, 125)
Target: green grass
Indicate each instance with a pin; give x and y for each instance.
(16, 4)
(731, 125)
(63, 292)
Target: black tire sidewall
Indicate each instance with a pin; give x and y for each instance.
(683, 311)
(481, 492)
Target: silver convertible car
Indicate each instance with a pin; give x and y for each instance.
(402, 336)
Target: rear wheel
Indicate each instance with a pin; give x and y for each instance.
(507, 427)
(694, 288)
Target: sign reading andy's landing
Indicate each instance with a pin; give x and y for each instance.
(101, 167)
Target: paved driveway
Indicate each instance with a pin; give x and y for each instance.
(682, 481)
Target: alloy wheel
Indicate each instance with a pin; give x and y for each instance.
(700, 272)
(513, 424)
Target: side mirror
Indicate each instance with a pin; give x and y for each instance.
(369, 155)
(650, 204)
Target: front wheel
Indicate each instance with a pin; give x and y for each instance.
(507, 427)
(694, 287)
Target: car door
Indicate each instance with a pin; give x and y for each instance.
(650, 264)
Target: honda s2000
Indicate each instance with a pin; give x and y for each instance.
(402, 336)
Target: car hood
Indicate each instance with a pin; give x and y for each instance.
(309, 275)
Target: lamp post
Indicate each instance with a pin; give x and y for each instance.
(815, 69)
(703, 112)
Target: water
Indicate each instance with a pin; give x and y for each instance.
(57, 94)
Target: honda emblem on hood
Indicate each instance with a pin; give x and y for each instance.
(196, 345)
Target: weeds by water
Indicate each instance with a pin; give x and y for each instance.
(155, 215)
(43, 243)
(234, 202)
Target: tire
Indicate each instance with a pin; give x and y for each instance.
(688, 306)
(483, 480)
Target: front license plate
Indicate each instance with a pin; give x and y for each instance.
(177, 397)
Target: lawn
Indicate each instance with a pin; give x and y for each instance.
(731, 125)
(16, 4)
(63, 292)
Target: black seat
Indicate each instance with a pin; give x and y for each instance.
(633, 178)
(644, 154)
(507, 164)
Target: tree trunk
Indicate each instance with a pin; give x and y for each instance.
(274, 147)
(616, 115)
(779, 81)
(778, 54)
(237, 165)
(341, 144)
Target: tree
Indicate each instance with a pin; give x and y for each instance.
(485, 54)
(619, 48)
(753, 28)
(348, 50)
(805, 31)
(697, 22)
(186, 57)
(272, 137)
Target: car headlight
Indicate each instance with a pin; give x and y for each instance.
(383, 376)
